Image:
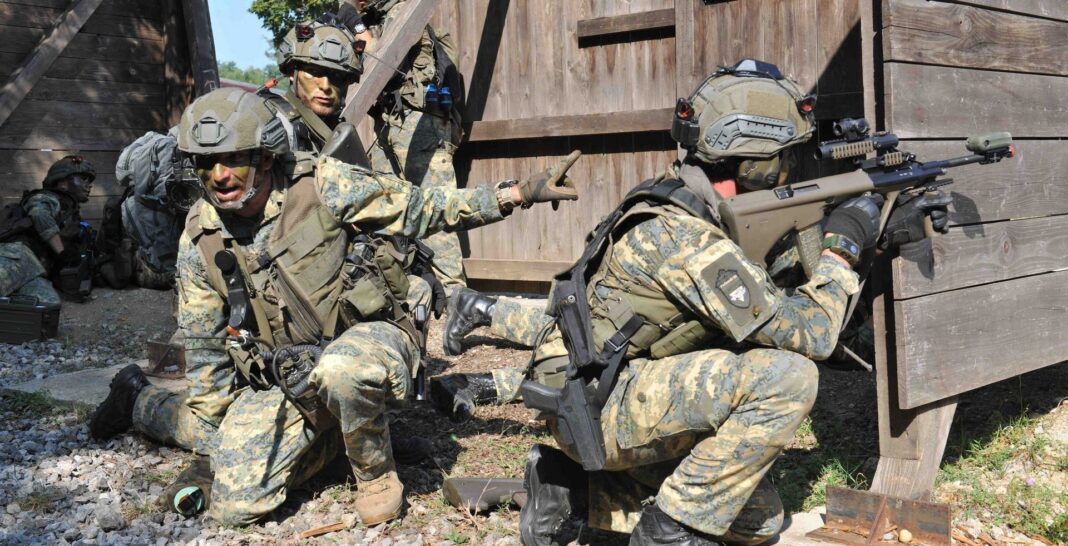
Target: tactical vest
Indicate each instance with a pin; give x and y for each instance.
(307, 289)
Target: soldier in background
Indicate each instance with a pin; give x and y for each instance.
(417, 119)
(47, 224)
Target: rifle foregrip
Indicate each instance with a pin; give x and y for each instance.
(809, 247)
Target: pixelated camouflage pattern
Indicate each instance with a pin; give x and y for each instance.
(21, 274)
(164, 416)
(46, 211)
(518, 322)
(419, 148)
(729, 414)
(263, 446)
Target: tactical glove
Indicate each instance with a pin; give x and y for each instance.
(906, 222)
(857, 219)
(552, 184)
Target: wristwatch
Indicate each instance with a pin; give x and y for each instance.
(504, 196)
(842, 246)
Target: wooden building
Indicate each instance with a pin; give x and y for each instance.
(602, 76)
(89, 77)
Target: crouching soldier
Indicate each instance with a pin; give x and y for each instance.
(294, 349)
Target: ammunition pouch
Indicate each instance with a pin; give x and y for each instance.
(374, 280)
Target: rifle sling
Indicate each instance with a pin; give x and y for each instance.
(312, 121)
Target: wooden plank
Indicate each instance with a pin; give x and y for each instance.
(1053, 9)
(178, 74)
(937, 102)
(201, 46)
(37, 63)
(99, 23)
(93, 70)
(868, 61)
(953, 342)
(559, 126)
(38, 161)
(914, 478)
(134, 94)
(648, 20)
(1030, 184)
(75, 139)
(956, 35)
(516, 270)
(398, 40)
(85, 46)
(40, 114)
(987, 253)
(137, 9)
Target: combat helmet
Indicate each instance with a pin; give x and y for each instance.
(67, 166)
(324, 43)
(230, 120)
(749, 111)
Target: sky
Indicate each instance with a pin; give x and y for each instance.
(239, 35)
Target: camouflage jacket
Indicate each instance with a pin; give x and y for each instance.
(52, 213)
(370, 201)
(692, 267)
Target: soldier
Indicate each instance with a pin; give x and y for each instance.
(316, 343)
(417, 122)
(715, 362)
(47, 225)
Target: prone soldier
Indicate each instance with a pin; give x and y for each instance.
(294, 350)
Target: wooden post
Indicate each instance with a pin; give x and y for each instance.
(398, 40)
(178, 81)
(39, 60)
(201, 45)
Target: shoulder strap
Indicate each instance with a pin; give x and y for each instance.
(311, 120)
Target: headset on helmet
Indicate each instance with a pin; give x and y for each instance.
(325, 43)
(231, 120)
(745, 111)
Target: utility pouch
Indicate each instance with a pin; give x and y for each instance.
(684, 339)
(366, 298)
(291, 368)
(390, 262)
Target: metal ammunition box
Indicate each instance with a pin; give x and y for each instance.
(22, 320)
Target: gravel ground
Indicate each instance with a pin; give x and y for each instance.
(57, 486)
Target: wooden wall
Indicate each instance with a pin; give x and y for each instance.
(996, 300)
(602, 76)
(125, 72)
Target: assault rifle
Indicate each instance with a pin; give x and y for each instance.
(757, 220)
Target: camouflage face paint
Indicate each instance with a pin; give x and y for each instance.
(227, 178)
(319, 90)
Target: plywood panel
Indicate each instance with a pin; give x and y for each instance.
(937, 102)
(988, 253)
(1030, 184)
(957, 35)
(957, 341)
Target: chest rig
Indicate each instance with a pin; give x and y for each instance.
(629, 320)
(317, 278)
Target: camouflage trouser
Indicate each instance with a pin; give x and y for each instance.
(712, 422)
(419, 149)
(21, 274)
(263, 446)
(518, 323)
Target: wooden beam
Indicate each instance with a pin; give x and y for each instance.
(559, 126)
(646, 20)
(378, 70)
(41, 58)
(513, 270)
(1051, 9)
(201, 45)
(178, 77)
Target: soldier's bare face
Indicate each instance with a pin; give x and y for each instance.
(319, 90)
(226, 177)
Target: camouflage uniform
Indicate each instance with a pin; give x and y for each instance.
(417, 145)
(21, 274)
(722, 415)
(258, 441)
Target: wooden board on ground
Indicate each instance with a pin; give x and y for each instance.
(953, 342)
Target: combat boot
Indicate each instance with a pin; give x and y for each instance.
(556, 487)
(380, 499)
(655, 528)
(456, 395)
(410, 450)
(190, 494)
(115, 414)
(467, 310)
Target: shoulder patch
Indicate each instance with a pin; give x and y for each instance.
(740, 296)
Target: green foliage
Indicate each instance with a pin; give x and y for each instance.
(253, 75)
(279, 16)
(29, 403)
